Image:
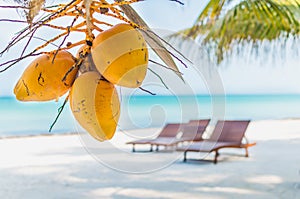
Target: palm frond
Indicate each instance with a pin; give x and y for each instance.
(31, 8)
(208, 16)
(35, 7)
(250, 20)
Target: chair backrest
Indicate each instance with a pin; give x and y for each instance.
(203, 123)
(194, 129)
(229, 131)
(170, 130)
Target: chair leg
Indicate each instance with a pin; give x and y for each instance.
(133, 148)
(184, 156)
(216, 157)
(247, 153)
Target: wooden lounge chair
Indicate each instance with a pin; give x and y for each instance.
(226, 134)
(190, 132)
(169, 135)
(169, 131)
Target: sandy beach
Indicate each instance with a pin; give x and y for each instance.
(68, 166)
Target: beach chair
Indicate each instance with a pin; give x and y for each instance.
(169, 135)
(189, 132)
(169, 131)
(226, 134)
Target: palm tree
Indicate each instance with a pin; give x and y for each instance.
(224, 23)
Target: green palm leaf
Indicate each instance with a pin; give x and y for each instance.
(249, 20)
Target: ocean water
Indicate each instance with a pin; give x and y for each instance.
(30, 118)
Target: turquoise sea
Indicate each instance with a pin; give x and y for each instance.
(30, 118)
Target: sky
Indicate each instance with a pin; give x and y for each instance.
(242, 75)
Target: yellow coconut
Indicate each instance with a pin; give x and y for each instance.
(121, 55)
(44, 80)
(95, 105)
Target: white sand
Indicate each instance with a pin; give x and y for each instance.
(60, 167)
